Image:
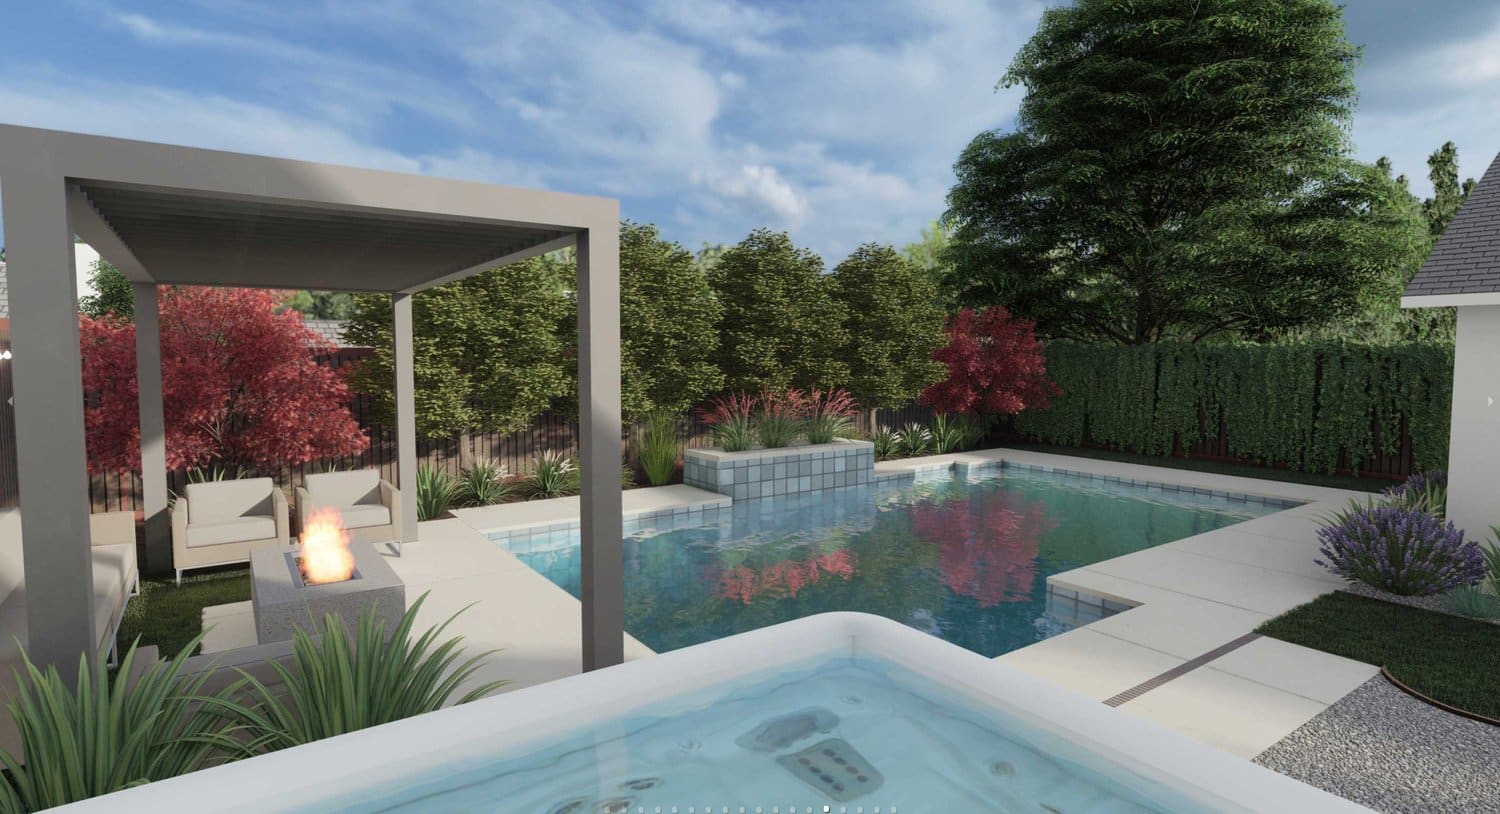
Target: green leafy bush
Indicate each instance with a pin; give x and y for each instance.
(952, 433)
(484, 483)
(338, 684)
(554, 475)
(657, 450)
(913, 439)
(887, 443)
(437, 491)
(102, 735)
(1302, 405)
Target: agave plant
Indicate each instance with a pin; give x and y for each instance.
(887, 443)
(437, 491)
(828, 415)
(484, 483)
(779, 416)
(554, 475)
(336, 684)
(915, 440)
(732, 418)
(101, 735)
(657, 450)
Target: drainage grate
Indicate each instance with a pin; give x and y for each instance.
(1180, 670)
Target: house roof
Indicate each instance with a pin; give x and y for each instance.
(330, 329)
(1466, 259)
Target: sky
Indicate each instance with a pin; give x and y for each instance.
(836, 121)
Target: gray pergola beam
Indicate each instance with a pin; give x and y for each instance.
(406, 413)
(158, 524)
(600, 555)
(50, 456)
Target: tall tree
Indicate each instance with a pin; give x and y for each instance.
(993, 364)
(1447, 193)
(668, 325)
(486, 348)
(894, 324)
(114, 294)
(1180, 170)
(240, 386)
(781, 327)
(930, 253)
(321, 304)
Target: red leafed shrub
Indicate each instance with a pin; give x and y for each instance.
(240, 386)
(995, 365)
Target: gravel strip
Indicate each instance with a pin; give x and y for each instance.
(1437, 603)
(1384, 749)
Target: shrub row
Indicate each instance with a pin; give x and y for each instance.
(1306, 406)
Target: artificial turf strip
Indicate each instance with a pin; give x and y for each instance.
(169, 617)
(1450, 659)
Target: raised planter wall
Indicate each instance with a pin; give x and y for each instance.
(782, 471)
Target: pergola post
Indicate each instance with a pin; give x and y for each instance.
(406, 413)
(153, 429)
(599, 444)
(48, 399)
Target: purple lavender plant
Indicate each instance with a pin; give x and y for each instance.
(1399, 549)
(1419, 483)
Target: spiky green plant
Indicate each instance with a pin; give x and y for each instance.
(829, 415)
(658, 449)
(1474, 601)
(553, 475)
(484, 483)
(947, 434)
(437, 491)
(1492, 561)
(915, 440)
(101, 735)
(779, 417)
(887, 443)
(338, 684)
(732, 418)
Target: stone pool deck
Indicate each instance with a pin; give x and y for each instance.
(1168, 659)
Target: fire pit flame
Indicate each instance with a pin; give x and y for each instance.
(325, 555)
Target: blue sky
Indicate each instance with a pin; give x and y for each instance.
(836, 121)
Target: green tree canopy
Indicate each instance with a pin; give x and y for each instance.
(1180, 169)
(930, 253)
(894, 324)
(114, 294)
(781, 327)
(668, 325)
(1447, 193)
(321, 304)
(488, 355)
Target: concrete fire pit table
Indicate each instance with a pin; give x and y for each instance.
(282, 600)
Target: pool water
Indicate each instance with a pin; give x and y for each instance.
(964, 557)
(848, 733)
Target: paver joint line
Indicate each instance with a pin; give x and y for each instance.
(1180, 670)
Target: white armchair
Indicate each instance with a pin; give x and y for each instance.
(219, 522)
(369, 506)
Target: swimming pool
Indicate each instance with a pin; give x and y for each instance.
(964, 556)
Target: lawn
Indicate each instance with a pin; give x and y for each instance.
(1448, 658)
(169, 617)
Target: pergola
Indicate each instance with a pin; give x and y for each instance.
(167, 215)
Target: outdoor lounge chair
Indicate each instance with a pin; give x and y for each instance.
(369, 506)
(219, 522)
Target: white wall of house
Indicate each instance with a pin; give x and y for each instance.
(1474, 449)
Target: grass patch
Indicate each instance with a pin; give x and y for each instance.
(169, 616)
(1451, 659)
(1358, 484)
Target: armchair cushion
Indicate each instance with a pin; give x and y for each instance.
(221, 501)
(237, 530)
(338, 489)
(358, 517)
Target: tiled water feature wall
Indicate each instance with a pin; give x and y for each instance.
(783, 471)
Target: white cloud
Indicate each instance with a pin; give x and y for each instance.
(761, 186)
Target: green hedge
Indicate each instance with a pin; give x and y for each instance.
(1299, 405)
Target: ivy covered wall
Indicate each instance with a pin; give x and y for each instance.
(1309, 406)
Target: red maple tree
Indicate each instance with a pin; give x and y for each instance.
(995, 365)
(241, 388)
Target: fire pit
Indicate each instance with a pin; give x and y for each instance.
(296, 587)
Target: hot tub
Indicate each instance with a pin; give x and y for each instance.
(840, 712)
